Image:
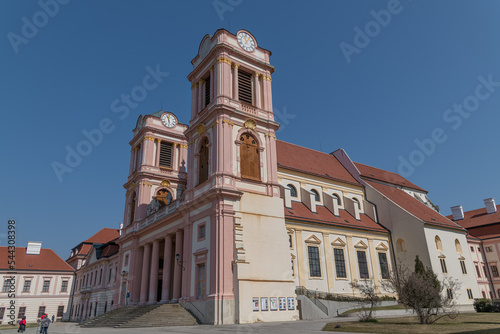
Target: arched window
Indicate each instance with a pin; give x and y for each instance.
(401, 245)
(203, 167)
(249, 157)
(356, 203)
(316, 195)
(164, 197)
(336, 198)
(293, 191)
(439, 244)
(458, 246)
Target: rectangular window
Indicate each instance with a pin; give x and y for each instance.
(64, 286)
(443, 266)
(449, 293)
(464, 268)
(494, 271)
(41, 311)
(469, 294)
(27, 285)
(290, 241)
(60, 311)
(201, 281)
(207, 90)
(46, 285)
(2, 312)
(245, 87)
(21, 313)
(165, 154)
(314, 266)
(488, 249)
(471, 249)
(339, 263)
(293, 268)
(485, 272)
(384, 266)
(477, 271)
(363, 265)
(6, 285)
(201, 231)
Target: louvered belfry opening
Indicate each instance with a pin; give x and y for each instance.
(245, 87)
(166, 154)
(207, 90)
(203, 169)
(249, 157)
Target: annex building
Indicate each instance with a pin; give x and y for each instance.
(228, 221)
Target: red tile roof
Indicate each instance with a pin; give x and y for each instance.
(385, 176)
(413, 206)
(300, 212)
(313, 162)
(104, 235)
(47, 260)
(478, 217)
(110, 250)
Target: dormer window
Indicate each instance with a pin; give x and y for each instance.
(293, 191)
(316, 195)
(245, 87)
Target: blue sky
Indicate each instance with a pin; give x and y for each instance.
(375, 93)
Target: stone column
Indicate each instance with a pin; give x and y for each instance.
(167, 263)
(131, 168)
(158, 146)
(256, 90)
(186, 274)
(330, 278)
(153, 278)
(194, 100)
(145, 273)
(177, 266)
(235, 82)
(300, 258)
(135, 275)
(352, 260)
(373, 262)
(201, 91)
(212, 82)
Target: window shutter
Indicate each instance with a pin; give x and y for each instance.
(207, 91)
(249, 157)
(245, 87)
(165, 155)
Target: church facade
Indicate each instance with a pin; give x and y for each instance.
(228, 221)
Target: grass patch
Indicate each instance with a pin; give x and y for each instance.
(470, 323)
(379, 308)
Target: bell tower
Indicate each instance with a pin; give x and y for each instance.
(158, 159)
(232, 186)
(231, 107)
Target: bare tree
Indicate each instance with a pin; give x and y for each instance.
(422, 291)
(368, 290)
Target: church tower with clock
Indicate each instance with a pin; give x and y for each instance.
(204, 220)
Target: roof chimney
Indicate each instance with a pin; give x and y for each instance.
(33, 248)
(490, 205)
(458, 212)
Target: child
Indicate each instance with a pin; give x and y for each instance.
(22, 325)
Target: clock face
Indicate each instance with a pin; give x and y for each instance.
(168, 120)
(246, 41)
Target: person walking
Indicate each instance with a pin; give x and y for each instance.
(22, 325)
(44, 321)
(53, 317)
(127, 296)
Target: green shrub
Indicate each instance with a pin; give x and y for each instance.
(487, 305)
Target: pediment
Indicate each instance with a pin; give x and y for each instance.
(313, 240)
(338, 242)
(381, 247)
(360, 244)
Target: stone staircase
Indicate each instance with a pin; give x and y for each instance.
(143, 316)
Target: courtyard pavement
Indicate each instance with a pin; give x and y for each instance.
(302, 326)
